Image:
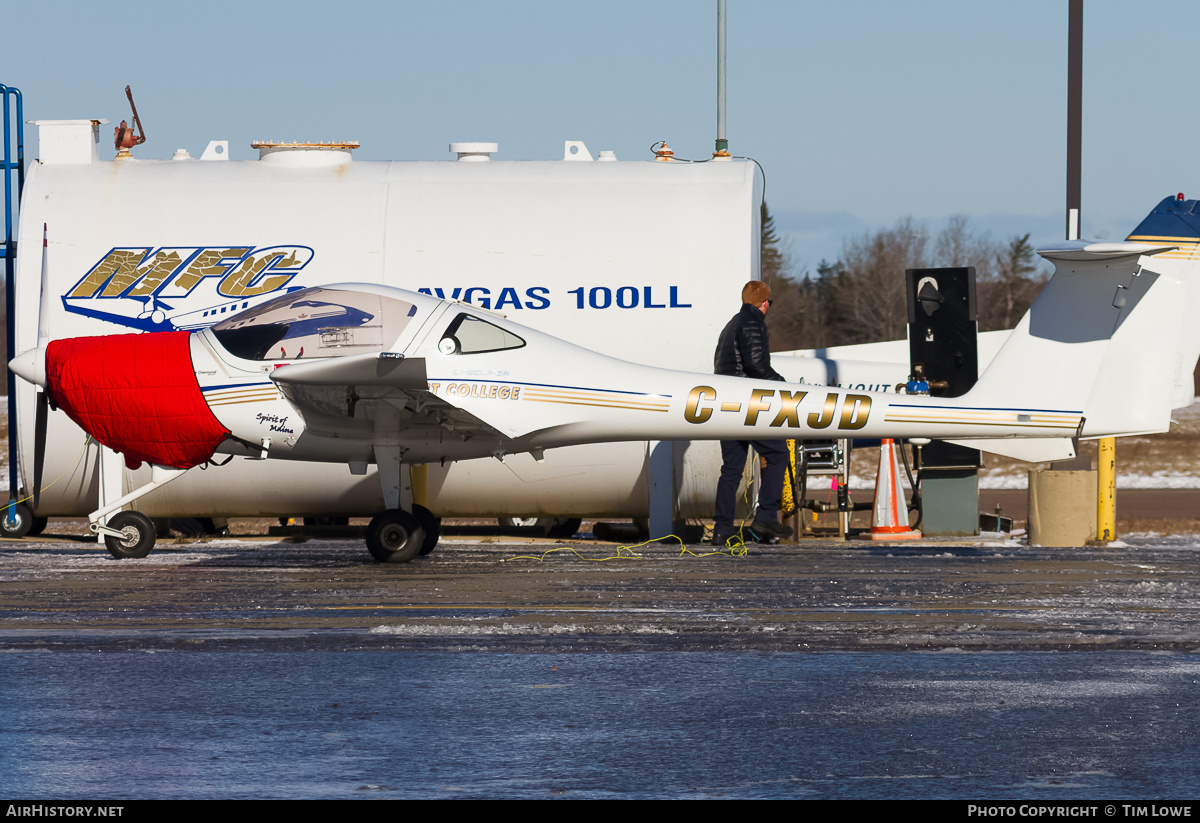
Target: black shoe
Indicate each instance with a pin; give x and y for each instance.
(721, 538)
(772, 528)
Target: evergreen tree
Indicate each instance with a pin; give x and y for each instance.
(785, 317)
(770, 258)
(1013, 289)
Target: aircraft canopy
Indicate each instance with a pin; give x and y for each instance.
(316, 322)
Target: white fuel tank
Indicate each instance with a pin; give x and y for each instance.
(639, 260)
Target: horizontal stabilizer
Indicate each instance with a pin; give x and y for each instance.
(1088, 250)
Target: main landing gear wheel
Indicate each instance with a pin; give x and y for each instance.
(16, 521)
(327, 521)
(395, 536)
(137, 535)
(564, 528)
(559, 528)
(432, 526)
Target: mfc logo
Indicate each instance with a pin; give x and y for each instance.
(241, 271)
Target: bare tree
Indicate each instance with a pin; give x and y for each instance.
(860, 298)
(959, 245)
(868, 291)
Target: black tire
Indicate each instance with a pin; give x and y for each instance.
(564, 528)
(559, 528)
(188, 526)
(432, 526)
(38, 525)
(16, 521)
(139, 535)
(395, 536)
(327, 520)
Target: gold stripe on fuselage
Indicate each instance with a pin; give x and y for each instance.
(572, 397)
(229, 397)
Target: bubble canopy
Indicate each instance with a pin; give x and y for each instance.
(315, 322)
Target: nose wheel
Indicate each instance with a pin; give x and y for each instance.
(137, 535)
(130, 534)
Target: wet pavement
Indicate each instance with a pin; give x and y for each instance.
(268, 668)
(979, 727)
(492, 594)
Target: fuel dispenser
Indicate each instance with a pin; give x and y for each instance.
(944, 358)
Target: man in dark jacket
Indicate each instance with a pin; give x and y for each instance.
(744, 350)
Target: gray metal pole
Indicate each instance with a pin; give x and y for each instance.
(722, 143)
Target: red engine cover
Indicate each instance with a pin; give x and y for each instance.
(136, 394)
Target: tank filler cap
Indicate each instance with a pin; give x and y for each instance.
(474, 152)
(307, 154)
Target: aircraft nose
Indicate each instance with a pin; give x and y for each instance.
(30, 366)
(136, 394)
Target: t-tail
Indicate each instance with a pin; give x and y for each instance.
(1114, 333)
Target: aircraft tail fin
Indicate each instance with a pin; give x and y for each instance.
(1109, 336)
(1176, 222)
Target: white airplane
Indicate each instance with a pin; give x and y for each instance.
(637, 260)
(361, 373)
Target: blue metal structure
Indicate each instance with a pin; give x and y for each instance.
(12, 100)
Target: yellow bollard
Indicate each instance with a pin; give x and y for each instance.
(1106, 491)
(420, 484)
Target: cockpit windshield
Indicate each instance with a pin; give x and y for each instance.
(315, 322)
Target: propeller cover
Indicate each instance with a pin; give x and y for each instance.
(136, 394)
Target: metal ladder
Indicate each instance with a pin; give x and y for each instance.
(12, 100)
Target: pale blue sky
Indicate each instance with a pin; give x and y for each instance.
(861, 111)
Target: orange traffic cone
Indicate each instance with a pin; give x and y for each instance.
(890, 521)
